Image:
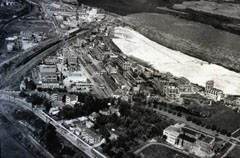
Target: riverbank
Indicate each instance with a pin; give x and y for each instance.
(164, 59)
(195, 39)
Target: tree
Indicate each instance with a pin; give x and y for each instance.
(30, 85)
(189, 118)
(194, 120)
(223, 131)
(67, 112)
(213, 127)
(179, 114)
(124, 108)
(64, 98)
(47, 105)
(50, 134)
(104, 132)
(22, 94)
(102, 120)
(154, 106)
(208, 126)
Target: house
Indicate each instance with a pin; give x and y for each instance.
(172, 92)
(9, 2)
(139, 80)
(147, 74)
(13, 43)
(124, 63)
(56, 97)
(117, 93)
(232, 101)
(26, 35)
(159, 85)
(136, 89)
(71, 99)
(111, 70)
(213, 93)
(54, 111)
(89, 124)
(70, 57)
(184, 86)
(51, 60)
(23, 85)
(93, 116)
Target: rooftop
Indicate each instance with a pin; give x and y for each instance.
(47, 68)
(187, 138)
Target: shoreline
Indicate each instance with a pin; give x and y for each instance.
(176, 62)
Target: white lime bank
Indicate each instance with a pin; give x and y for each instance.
(164, 59)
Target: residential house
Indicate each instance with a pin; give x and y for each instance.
(117, 93)
(184, 86)
(111, 70)
(51, 60)
(232, 100)
(172, 92)
(124, 63)
(71, 99)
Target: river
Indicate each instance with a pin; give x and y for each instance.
(179, 64)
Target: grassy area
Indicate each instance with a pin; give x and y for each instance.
(235, 153)
(159, 151)
(220, 116)
(224, 118)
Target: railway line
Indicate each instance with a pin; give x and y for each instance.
(23, 67)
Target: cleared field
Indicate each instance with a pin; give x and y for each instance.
(195, 39)
(167, 60)
(159, 151)
(235, 153)
(224, 118)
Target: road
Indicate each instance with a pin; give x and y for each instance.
(71, 137)
(197, 127)
(165, 145)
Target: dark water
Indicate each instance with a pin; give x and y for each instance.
(11, 148)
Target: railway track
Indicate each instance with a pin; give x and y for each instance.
(29, 62)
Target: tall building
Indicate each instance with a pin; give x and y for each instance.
(172, 92)
(48, 73)
(213, 93)
(209, 85)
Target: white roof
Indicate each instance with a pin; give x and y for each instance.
(74, 79)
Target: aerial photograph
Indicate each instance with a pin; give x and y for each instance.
(119, 78)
